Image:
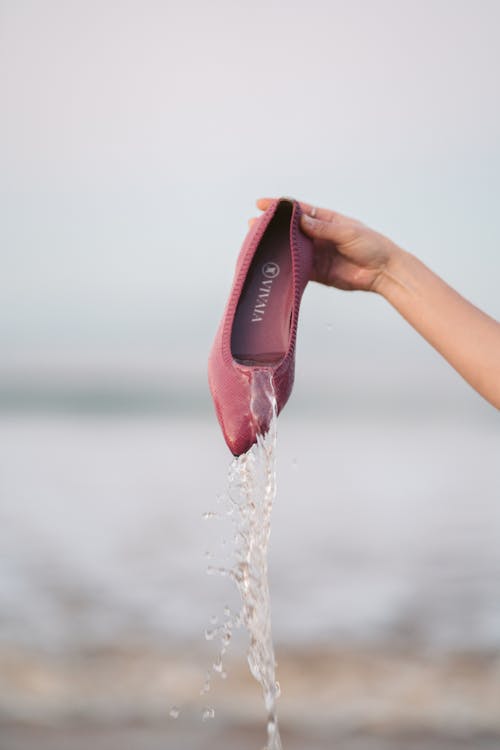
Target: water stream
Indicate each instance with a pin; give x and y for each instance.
(250, 495)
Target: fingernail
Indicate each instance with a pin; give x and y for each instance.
(308, 219)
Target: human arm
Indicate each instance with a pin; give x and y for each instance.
(466, 337)
(351, 256)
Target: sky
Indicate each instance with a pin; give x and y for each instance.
(135, 138)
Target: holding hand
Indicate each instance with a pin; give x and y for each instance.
(349, 255)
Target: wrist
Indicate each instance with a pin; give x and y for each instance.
(392, 272)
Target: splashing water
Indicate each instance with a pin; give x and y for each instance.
(252, 481)
(251, 492)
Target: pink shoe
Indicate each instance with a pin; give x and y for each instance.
(258, 330)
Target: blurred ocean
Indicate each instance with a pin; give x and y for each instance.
(385, 530)
(384, 572)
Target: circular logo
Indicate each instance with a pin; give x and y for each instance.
(270, 269)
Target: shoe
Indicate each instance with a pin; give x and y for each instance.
(256, 337)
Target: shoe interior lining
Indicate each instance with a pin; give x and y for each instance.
(261, 326)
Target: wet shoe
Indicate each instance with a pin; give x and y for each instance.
(256, 338)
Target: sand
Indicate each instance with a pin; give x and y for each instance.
(228, 738)
(342, 699)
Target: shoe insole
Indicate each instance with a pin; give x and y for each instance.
(261, 326)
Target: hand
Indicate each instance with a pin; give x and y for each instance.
(347, 254)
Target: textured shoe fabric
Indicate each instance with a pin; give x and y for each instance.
(230, 380)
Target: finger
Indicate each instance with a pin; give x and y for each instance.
(252, 220)
(336, 230)
(263, 203)
(324, 214)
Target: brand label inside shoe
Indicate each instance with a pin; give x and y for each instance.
(269, 271)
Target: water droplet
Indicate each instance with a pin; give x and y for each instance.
(226, 637)
(209, 514)
(208, 713)
(271, 727)
(210, 634)
(208, 554)
(212, 571)
(270, 701)
(223, 675)
(217, 665)
(174, 712)
(277, 689)
(227, 611)
(214, 619)
(206, 684)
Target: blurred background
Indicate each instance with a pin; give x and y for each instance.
(135, 139)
